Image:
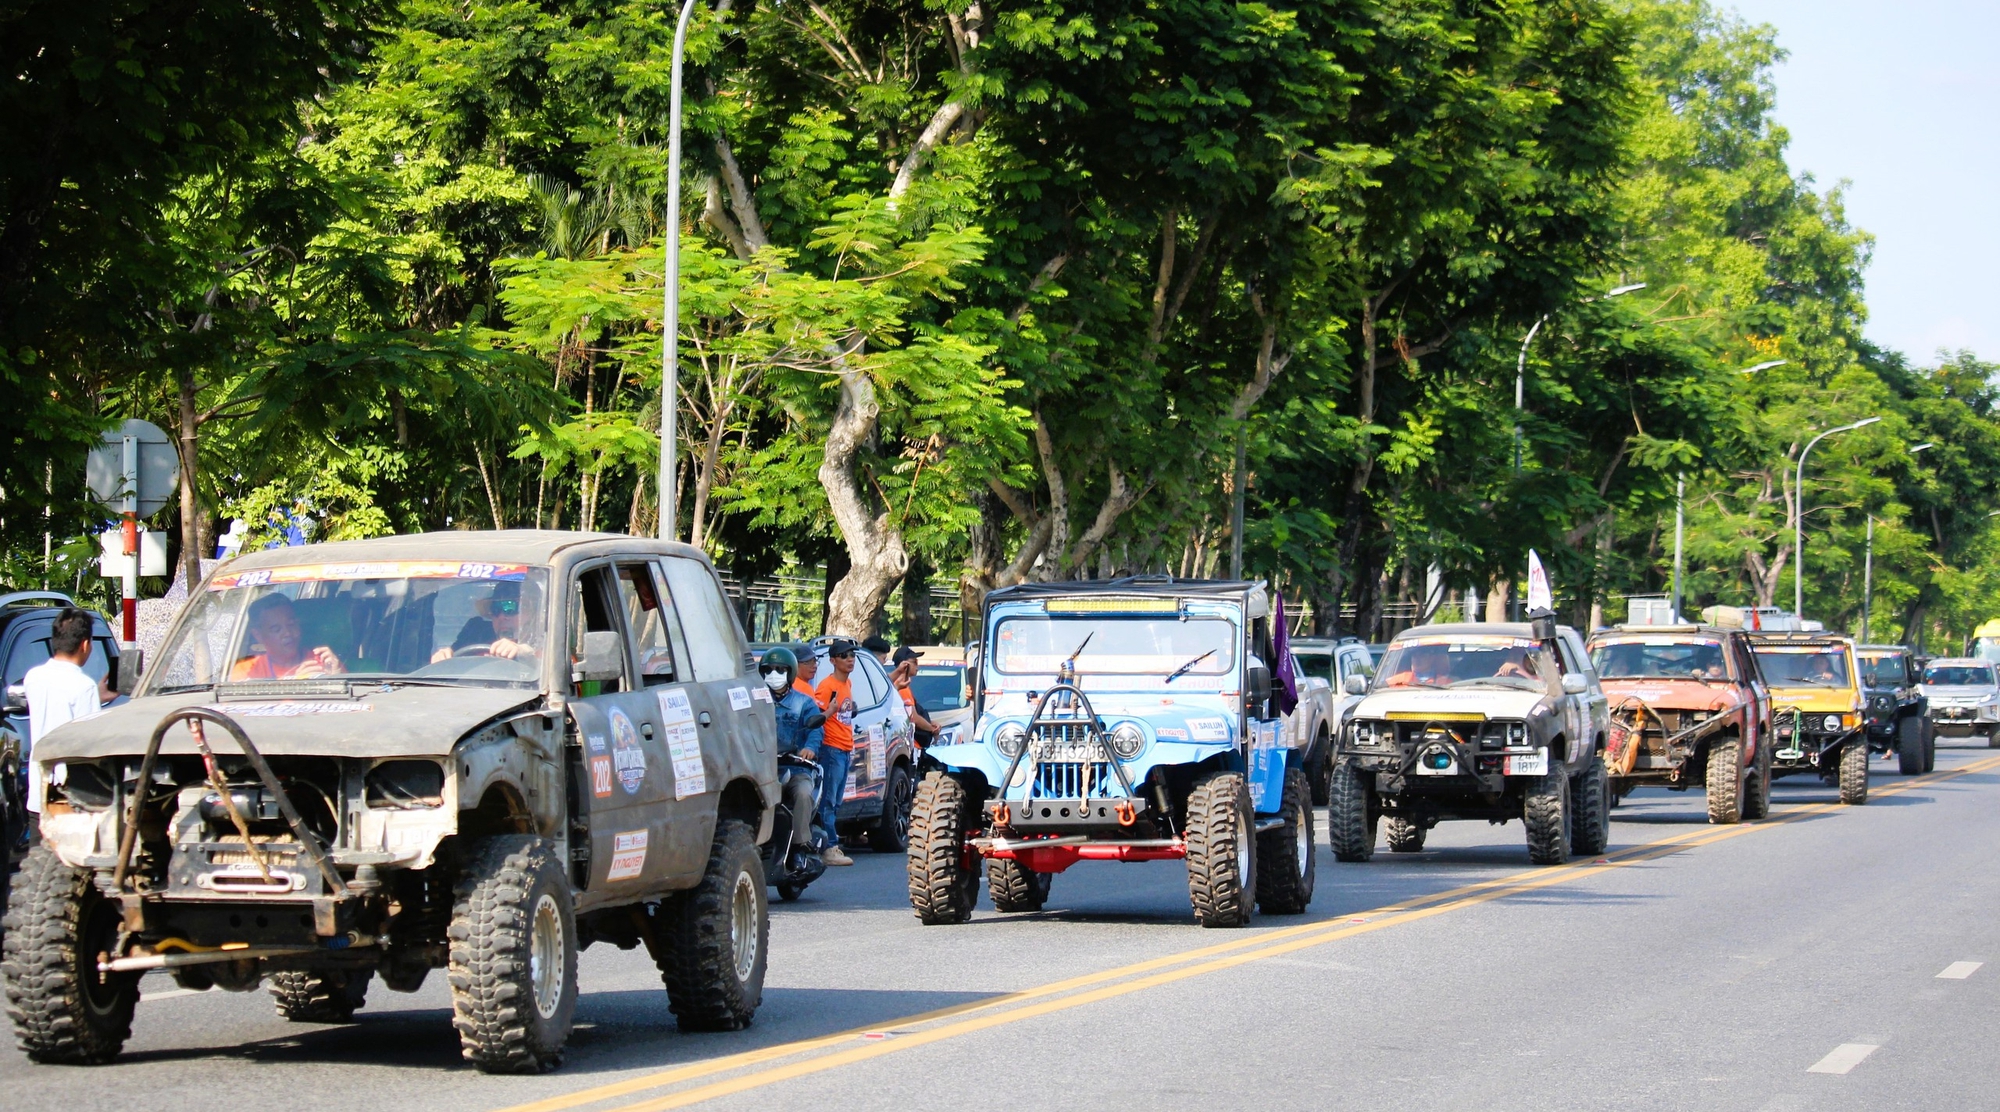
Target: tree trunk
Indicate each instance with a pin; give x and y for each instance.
(836, 570)
(917, 603)
(191, 530)
(1496, 600)
(874, 546)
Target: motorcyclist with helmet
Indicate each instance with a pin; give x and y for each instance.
(801, 733)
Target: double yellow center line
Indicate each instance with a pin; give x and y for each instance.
(1091, 988)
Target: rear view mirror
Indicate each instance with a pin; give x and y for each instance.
(603, 657)
(1355, 685)
(17, 698)
(1257, 685)
(1575, 683)
(131, 665)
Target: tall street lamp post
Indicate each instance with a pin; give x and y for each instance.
(1799, 515)
(1521, 365)
(671, 316)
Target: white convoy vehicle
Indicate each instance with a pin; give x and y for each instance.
(1964, 698)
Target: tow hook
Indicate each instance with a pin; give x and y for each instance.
(1126, 814)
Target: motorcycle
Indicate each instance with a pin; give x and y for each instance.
(790, 868)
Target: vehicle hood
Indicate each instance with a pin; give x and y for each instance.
(404, 722)
(1673, 694)
(1493, 702)
(1960, 693)
(1838, 700)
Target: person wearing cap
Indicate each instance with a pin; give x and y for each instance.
(495, 625)
(808, 670)
(879, 645)
(835, 695)
(779, 669)
(903, 675)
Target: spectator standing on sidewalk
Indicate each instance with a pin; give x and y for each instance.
(58, 689)
(836, 697)
(879, 646)
(903, 676)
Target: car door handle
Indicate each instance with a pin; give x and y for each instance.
(703, 718)
(647, 729)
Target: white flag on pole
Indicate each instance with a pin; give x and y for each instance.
(1539, 595)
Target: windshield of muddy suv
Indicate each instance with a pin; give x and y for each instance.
(1959, 675)
(437, 621)
(1880, 669)
(1803, 665)
(1446, 660)
(1034, 646)
(1659, 658)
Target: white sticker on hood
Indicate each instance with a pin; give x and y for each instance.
(288, 710)
(1208, 729)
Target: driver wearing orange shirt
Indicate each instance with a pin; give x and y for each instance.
(274, 623)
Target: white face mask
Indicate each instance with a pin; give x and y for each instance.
(775, 681)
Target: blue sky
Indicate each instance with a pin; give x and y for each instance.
(1903, 101)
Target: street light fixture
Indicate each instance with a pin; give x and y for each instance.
(1924, 447)
(1521, 364)
(1799, 516)
(1765, 366)
(671, 316)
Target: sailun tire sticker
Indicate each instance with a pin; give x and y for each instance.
(683, 743)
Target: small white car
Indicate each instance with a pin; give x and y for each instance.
(1343, 669)
(1964, 697)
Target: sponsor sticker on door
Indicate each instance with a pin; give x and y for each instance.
(628, 855)
(1208, 729)
(739, 698)
(600, 777)
(627, 756)
(878, 751)
(683, 743)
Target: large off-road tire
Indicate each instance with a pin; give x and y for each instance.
(1015, 887)
(1725, 781)
(513, 955)
(715, 938)
(1910, 745)
(1545, 811)
(1993, 737)
(332, 996)
(57, 924)
(1321, 772)
(892, 830)
(1221, 851)
(1757, 789)
(1404, 835)
(1930, 746)
(943, 881)
(1286, 855)
(1854, 773)
(1590, 825)
(1350, 814)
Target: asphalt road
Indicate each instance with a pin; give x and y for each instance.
(1832, 958)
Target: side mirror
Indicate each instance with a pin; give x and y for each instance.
(815, 720)
(131, 665)
(1575, 683)
(1355, 684)
(17, 698)
(603, 657)
(1256, 685)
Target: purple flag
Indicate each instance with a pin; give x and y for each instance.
(1285, 668)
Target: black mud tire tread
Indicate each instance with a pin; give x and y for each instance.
(491, 937)
(1350, 820)
(891, 833)
(332, 996)
(698, 956)
(1757, 789)
(1322, 772)
(1545, 811)
(1014, 887)
(1725, 781)
(1218, 812)
(40, 958)
(1590, 824)
(1854, 773)
(1404, 835)
(1930, 746)
(1285, 884)
(1910, 746)
(943, 887)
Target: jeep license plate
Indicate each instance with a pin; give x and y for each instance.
(1527, 764)
(1069, 754)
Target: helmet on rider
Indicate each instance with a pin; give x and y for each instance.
(779, 666)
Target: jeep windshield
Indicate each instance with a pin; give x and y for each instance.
(1659, 658)
(1461, 660)
(1959, 675)
(1201, 650)
(1880, 669)
(1804, 665)
(440, 622)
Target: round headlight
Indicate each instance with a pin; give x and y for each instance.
(1011, 740)
(1832, 723)
(1127, 740)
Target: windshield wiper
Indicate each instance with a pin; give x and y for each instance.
(1186, 668)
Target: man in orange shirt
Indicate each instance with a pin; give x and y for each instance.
(835, 695)
(904, 674)
(275, 625)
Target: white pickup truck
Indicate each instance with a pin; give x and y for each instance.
(1324, 701)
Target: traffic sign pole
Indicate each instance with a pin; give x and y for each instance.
(131, 600)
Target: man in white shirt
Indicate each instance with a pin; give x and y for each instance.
(58, 689)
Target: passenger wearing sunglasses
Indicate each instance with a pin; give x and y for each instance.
(836, 697)
(494, 631)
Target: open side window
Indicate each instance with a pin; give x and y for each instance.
(592, 609)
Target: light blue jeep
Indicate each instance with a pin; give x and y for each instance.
(1128, 720)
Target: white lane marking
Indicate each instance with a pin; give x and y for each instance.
(173, 992)
(1959, 970)
(1844, 1057)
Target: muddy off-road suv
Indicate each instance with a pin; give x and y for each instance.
(1491, 721)
(1816, 704)
(478, 752)
(1688, 710)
